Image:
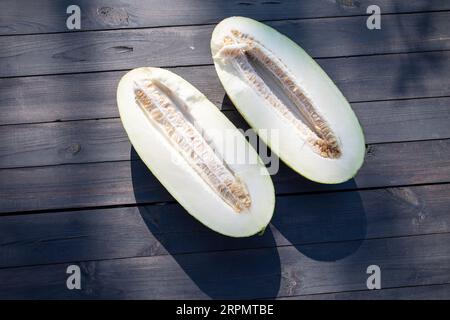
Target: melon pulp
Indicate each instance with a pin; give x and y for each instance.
(276, 85)
(184, 140)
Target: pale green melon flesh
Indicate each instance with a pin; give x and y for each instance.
(175, 170)
(319, 134)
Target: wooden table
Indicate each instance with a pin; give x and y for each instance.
(74, 192)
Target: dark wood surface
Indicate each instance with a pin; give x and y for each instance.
(189, 45)
(30, 17)
(73, 191)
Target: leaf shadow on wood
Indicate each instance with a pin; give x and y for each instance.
(413, 76)
(217, 264)
(313, 218)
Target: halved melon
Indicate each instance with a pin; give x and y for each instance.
(276, 85)
(191, 147)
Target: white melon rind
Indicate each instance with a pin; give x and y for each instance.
(177, 176)
(324, 94)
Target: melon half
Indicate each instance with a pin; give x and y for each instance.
(277, 86)
(193, 150)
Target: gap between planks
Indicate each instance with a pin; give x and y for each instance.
(139, 15)
(260, 273)
(54, 98)
(104, 140)
(439, 291)
(75, 52)
(125, 182)
(172, 201)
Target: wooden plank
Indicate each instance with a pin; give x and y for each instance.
(433, 292)
(56, 98)
(257, 273)
(154, 230)
(66, 142)
(404, 120)
(19, 17)
(130, 182)
(190, 45)
(105, 140)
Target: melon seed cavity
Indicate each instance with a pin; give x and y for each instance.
(275, 83)
(173, 120)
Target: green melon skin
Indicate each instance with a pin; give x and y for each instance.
(325, 96)
(178, 177)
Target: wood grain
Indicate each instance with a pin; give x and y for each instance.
(130, 182)
(433, 292)
(153, 230)
(105, 140)
(253, 273)
(19, 17)
(190, 45)
(93, 96)
(73, 191)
